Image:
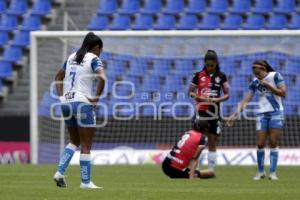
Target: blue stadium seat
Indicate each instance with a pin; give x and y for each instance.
(174, 6)
(196, 6)
(12, 54)
(6, 70)
(130, 6)
(3, 6)
(285, 6)
(210, 21)
(3, 38)
(165, 22)
(8, 22)
(232, 22)
(152, 83)
(183, 66)
(107, 7)
(31, 23)
(277, 21)
(188, 22)
(41, 7)
(162, 66)
(295, 22)
(241, 6)
(255, 21)
(98, 22)
(143, 22)
(263, 6)
(218, 6)
(121, 22)
(138, 67)
(21, 39)
(152, 6)
(17, 7)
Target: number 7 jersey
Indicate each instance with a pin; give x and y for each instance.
(78, 81)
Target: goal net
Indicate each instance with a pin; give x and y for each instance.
(145, 105)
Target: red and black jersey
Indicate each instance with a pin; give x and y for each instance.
(209, 86)
(183, 152)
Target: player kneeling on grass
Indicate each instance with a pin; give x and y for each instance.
(182, 161)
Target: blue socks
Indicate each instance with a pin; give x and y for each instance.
(85, 168)
(273, 160)
(65, 158)
(260, 160)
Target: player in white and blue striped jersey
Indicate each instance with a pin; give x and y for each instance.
(270, 88)
(78, 74)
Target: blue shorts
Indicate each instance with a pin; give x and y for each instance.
(79, 114)
(268, 120)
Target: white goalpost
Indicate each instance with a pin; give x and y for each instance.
(150, 120)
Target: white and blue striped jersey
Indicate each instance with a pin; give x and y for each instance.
(78, 81)
(268, 101)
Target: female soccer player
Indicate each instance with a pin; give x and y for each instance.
(78, 74)
(270, 87)
(182, 160)
(206, 88)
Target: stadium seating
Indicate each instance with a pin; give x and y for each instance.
(21, 39)
(130, 6)
(143, 22)
(3, 38)
(31, 23)
(98, 22)
(218, 6)
(188, 22)
(215, 14)
(241, 6)
(210, 21)
(277, 21)
(3, 6)
(107, 7)
(41, 7)
(165, 22)
(174, 6)
(6, 71)
(152, 6)
(196, 6)
(233, 22)
(121, 22)
(295, 22)
(285, 6)
(8, 22)
(263, 6)
(255, 21)
(17, 7)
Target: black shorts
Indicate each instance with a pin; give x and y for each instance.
(176, 173)
(214, 124)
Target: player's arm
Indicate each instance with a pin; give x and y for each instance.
(225, 88)
(59, 77)
(193, 163)
(100, 86)
(192, 92)
(240, 108)
(279, 90)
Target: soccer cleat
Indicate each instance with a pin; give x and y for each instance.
(259, 175)
(273, 177)
(89, 185)
(59, 180)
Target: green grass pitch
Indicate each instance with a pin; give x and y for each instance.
(145, 182)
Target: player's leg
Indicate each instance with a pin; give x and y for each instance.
(274, 138)
(172, 172)
(213, 137)
(69, 150)
(275, 127)
(86, 133)
(261, 136)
